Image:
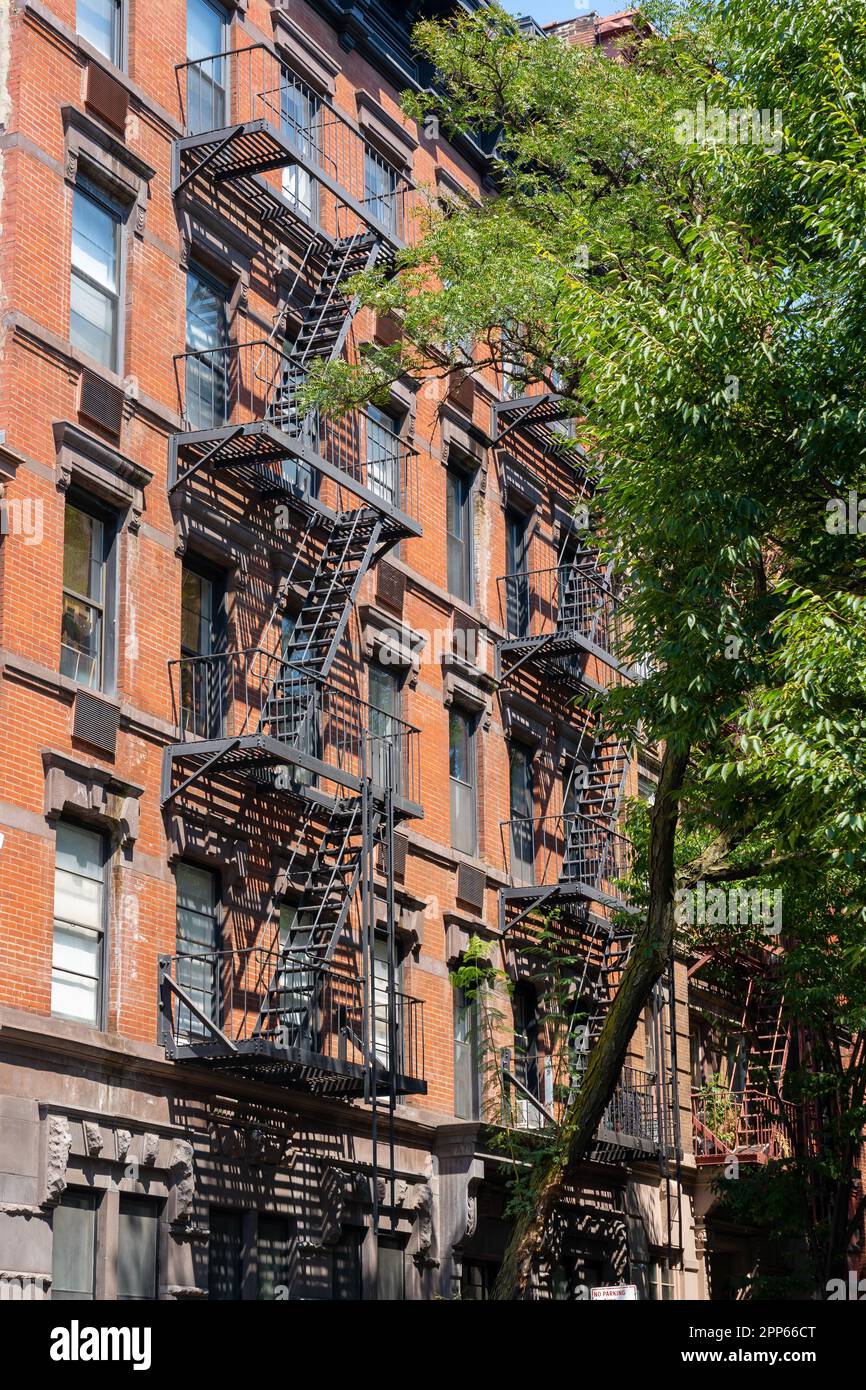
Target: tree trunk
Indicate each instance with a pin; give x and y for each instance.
(646, 965)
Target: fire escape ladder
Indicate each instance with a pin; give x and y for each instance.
(329, 314)
(599, 806)
(345, 559)
(605, 958)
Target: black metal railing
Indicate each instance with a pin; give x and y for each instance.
(634, 1110)
(259, 383)
(239, 694)
(570, 602)
(242, 86)
(575, 848)
(214, 1000)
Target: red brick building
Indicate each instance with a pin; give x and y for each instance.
(291, 706)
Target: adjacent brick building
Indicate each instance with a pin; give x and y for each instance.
(278, 742)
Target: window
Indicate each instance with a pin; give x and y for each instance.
(100, 22)
(346, 1277)
(527, 1063)
(476, 1281)
(467, 1057)
(138, 1249)
(299, 108)
(384, 1002)
(73, 1266)
(207, 341)
(383, 454)
(461, 749)
(517, 568)
(296, 981)
(522, 825)
(273, 1256)
(206, 30)
(79, 915)
(384, 715)
(458, 526)
(225, 1255)
(661, 1280)
(380, 191)
(390, 1271)
(202, 635)
(86, 629)
(95, 285)
(197, 945)
(649, 1041)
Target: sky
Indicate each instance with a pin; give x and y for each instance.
(546, 10)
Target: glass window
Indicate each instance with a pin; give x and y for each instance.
(476, 1281)
(100, 23)
(390, 1271)
(206, 338)
(197, 945)
(383, 454)
(461, 742)
(273, 1256)
(382, 1003)
(380, 191)
(346, 1276)
(76, 972)
(73, 1264)
(137, 1248)
(86, 541)
(201, 636)
(661, 1280)
(206, 29)
(299, 108)
(95, 276)
(467, 1057)
(527, 1066)
(225, 1255)
(296, 980)
(517, 566)
(458, 527)
(384, 714)
(522, 810)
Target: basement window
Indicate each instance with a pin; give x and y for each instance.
(73, 1268)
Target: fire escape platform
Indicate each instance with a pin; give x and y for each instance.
(568, 889)
(550, 652)
(255, 147)
(262, 1059)
(253, 454)
(251, 757)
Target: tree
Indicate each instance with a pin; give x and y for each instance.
(693, 283)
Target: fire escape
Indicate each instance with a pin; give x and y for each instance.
(745, 1115)
(563, 632)
(315, 1007)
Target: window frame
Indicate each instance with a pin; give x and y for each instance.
(194, 990)
(221, 290)
(157, 1206)
(81, 501)
(458, 474)
(470, 721)
(467, 1054)
(102, 930)
(88, 187)
(120, 57)
(91, 1200)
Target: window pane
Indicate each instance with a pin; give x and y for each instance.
(204, 29)
(93, 315)
(273, 1255)
(98, 21)
(389, 1276)
(83, 553)
(94, 241)
(197, 941)
(459, 533)
(346, 1279)
(225, 1255)
(206, 330)
(74, 1247)
(137, 1248)
(78, 918)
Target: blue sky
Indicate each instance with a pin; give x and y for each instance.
(546, 10)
